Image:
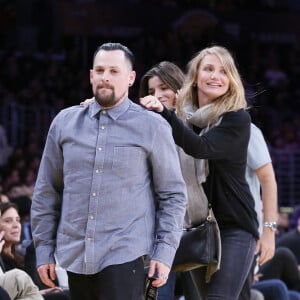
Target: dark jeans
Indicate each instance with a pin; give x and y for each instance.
(246, 290)
(274, 289)
(238, 248)
(117, 282)
(184, 282)
(167, 291)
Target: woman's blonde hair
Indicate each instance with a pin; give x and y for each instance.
(232, 100)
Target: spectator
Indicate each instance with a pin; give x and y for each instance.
(291, 239)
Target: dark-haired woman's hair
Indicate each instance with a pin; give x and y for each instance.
(169, 73)
(17, 261)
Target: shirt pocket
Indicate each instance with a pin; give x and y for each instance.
(127, 161)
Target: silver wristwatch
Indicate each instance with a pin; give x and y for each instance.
(271, 225)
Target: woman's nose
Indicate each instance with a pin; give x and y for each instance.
(213, 75)
(157, 94)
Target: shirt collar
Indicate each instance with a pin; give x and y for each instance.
(114, 112)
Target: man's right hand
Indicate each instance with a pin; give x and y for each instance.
(47, 274)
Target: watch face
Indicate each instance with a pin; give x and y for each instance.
(271, 225)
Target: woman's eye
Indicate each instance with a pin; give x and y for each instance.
(210, 69)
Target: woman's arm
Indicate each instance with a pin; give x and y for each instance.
(218, 142)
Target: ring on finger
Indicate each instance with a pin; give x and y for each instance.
(164, 277)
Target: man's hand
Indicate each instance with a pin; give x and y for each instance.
(265, 246)
(47, 274)
(159, 269)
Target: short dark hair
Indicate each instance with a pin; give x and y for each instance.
(116, 46)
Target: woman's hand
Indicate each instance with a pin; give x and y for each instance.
(51, 290)
(2, 242)
(151, 103)
(87, 102)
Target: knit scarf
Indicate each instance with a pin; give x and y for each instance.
(195, 171)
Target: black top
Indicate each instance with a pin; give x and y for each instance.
(225, 147)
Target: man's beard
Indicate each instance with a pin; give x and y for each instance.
(106, 100)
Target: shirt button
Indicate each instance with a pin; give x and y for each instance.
(97, 171)
(102, 127)
(92, 217)
(103, 112)
(94, 194)
(89, 238)
(100, 149)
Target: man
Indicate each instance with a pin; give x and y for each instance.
(93, 205)
(291, 239)
(262, 182)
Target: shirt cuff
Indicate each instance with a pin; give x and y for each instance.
(44, 255)
(164, 253)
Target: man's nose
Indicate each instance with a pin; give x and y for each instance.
(105, 76)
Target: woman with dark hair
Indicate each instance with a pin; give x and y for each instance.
(163, 81)
(10, 225)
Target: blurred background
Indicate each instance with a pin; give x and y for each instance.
(46, 49)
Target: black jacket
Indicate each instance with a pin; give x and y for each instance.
(225, 147)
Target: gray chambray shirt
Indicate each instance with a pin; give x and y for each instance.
(101, 176)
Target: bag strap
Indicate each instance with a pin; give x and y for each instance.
(209, 211)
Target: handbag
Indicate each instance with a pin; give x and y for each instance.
(198, 246)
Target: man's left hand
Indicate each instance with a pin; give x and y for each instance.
(160, 270)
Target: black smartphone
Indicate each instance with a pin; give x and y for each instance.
(150, 290)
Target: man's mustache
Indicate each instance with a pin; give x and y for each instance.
(105, 86)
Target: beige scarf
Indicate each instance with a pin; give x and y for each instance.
(195, 170)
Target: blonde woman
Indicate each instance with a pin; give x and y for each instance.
(212, 124)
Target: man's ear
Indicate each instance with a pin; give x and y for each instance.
(132, 77)
(91, 76)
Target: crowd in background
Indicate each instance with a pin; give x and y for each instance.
(58, 77)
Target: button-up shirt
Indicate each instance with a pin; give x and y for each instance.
(109, 189)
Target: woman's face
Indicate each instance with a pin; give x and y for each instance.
(11, 225)
(212, 80)
(162, 92)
